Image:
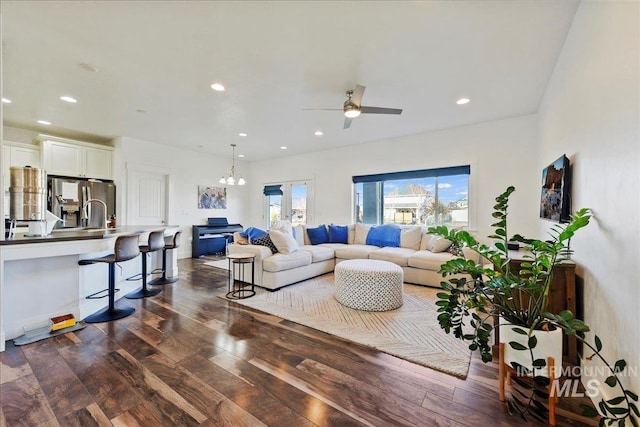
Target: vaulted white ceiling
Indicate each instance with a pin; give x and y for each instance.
(155, 62)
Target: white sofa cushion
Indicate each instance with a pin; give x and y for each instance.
(299, 232)
(397, 256)
(284, 241)
(333, 246)
(355, 251)
(439, 244)
(410, 237)
(281, 262)
(428, 260)
(351, 234)
(361, 232)
(424, 242)
(320, 252)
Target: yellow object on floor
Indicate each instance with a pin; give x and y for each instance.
(61, 322)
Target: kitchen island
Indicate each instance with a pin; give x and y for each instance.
(40, 277)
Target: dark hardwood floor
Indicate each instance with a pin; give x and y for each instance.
(188, 358)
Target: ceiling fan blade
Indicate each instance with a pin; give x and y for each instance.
(347, 122)
(356, 98)
(322, 109)
(379, 110)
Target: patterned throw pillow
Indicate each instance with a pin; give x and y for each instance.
(265, 241)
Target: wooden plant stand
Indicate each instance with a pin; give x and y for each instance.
(508, 371)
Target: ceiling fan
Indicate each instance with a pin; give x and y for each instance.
(352, 107)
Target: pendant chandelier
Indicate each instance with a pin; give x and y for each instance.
(231, 178)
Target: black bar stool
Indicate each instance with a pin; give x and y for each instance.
(156, 242)
(125, 248)
(170, 242)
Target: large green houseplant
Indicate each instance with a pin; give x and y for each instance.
(478, 292)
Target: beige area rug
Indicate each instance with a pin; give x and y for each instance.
(222, 263)
(411, 332)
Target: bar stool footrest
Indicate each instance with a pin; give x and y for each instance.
(94, 295)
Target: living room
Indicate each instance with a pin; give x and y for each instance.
(588, 109)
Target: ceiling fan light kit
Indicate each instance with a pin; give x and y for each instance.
(351, 111)
(352, 107)
(231, 178)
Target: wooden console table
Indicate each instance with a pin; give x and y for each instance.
(562, 296)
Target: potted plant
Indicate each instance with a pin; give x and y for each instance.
(478, 292)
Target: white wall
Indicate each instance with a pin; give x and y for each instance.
(591, 112)
(501, 153)
(187, 170)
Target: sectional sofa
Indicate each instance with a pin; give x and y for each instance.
(419, 254)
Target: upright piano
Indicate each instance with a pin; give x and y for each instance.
(212, 238)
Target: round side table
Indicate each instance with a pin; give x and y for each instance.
(238, 287)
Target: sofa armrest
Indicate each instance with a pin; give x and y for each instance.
(261, 252)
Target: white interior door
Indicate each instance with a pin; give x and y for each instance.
(147, 197)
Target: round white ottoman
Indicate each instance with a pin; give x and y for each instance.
(369, 285)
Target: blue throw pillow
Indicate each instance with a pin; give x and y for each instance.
(253, 233)
(338, 233)
(384, 235)
(318, 235)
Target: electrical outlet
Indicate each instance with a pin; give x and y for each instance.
(184, 212)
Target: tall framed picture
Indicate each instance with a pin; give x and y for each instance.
(210, 197)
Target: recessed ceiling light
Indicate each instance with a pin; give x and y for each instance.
(463, 101)
(44, 122)
(283, 148)
(240, 155)
(6, 100)
(69, 99)
(217, 87)
(242, 134)
(88, 67)
(318, 133)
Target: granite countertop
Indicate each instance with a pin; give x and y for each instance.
(62, 235)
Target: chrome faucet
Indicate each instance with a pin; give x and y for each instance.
(86, 215)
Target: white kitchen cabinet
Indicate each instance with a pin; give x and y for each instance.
(17, 154)
(66, 157)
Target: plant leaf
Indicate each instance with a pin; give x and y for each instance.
(611, 381)
(616, 400)
(619, 366)
(598, 343)
(517, 346)
(632, 395)
(539, 363)
(588, 411)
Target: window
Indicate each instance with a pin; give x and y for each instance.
(422, 197)
(289, 200)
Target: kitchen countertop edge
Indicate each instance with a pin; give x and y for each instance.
(67, 236)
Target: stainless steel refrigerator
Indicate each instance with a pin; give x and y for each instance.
(67, 197)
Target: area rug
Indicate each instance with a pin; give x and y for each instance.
(411, 332)
(222, 263)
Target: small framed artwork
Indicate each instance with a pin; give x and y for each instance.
(210, 197)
